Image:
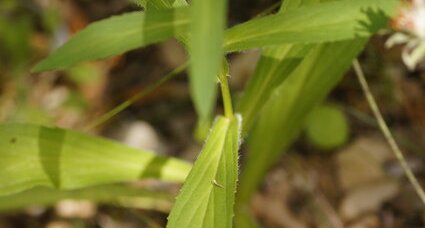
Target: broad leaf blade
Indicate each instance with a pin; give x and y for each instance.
(324, 22)
(113, 194)
(206, 199)
(40, 156)
(284, 113)
(206, 50)
(116, 35)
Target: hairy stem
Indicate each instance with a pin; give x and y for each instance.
(225, 93)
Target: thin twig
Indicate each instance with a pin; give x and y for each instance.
(386, 131)
(105, 117)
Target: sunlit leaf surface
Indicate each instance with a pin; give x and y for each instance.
(32, 156)
(206, 198)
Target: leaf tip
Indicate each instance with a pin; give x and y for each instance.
(39, 67)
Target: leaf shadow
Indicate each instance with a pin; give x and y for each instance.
(50, 146)
(154, 168)
(375, 19)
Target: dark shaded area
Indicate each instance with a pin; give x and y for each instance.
(13, 140)
(154, 168)
(50, 143)
(376, 19)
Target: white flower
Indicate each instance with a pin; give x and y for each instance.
(411, 19)
(418, 18)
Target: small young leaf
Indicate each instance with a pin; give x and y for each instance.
(207, 196)
(40, 156)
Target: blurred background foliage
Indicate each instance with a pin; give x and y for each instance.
(339, 172)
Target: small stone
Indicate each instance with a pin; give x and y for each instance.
(76, 209)
(363, 162)
(172, 53)
(242, 66)
(140, 135)
(367, 199)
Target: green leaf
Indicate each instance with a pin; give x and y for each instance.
(116, 35)
(273, 67)
(327, 127)
(285, 112)
(317, 23)
(311, 24)
(40, 156)
(206, 50)
(112, 194)
(207, 196)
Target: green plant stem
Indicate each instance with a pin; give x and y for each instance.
(386, 131)
(107, 116)
(227, 98)
(224, 84)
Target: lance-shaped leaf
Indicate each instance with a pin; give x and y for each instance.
(284, 113)
(109, 194)
(116, 35)
(311, 24)
(274, 66)
(207, 196)
(40, 156)
(324, 22)
(206, 52)
(204, 107)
